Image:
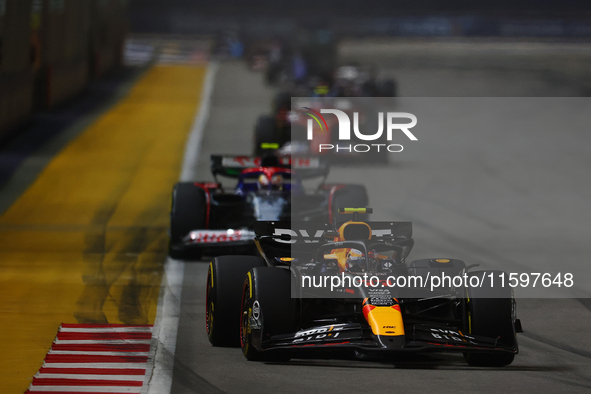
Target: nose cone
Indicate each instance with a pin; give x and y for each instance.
(386, 324)
(391, 342)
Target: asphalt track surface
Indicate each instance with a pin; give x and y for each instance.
(525, 206)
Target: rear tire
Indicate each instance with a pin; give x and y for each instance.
(225, 278)
(187, 212)
(265, 132)
(491, 317)
(270, 289)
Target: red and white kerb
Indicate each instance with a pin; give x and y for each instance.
(95, 358)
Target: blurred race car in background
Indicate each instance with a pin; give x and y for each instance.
(351, 81)
(208, 219)
(288, 127)
(365, 320)
(312, 52)
(346, 88)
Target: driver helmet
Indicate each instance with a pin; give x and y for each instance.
(355, 261)
(275, 183)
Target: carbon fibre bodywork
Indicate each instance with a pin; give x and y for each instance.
(376, 320)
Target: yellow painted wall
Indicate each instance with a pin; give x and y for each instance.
(87, 241)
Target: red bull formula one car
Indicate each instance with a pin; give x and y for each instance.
(207, 218)
(275, 307)
(287, 130)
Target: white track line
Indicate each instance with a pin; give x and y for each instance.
(159, 374)
(191, 156)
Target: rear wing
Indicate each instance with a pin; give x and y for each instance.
(231, 166)
(301, 239)
(300, 232)
(280, 239)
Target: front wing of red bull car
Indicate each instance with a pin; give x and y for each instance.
(338, 295)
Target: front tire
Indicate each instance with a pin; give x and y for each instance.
(267, 310)
(491, 314)
(222, 298)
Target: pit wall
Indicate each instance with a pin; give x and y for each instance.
(50, 49)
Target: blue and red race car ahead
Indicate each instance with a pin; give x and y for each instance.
(207, 218)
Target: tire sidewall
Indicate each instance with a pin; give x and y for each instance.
(225, 278)
(491, 314)
(266, 290)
